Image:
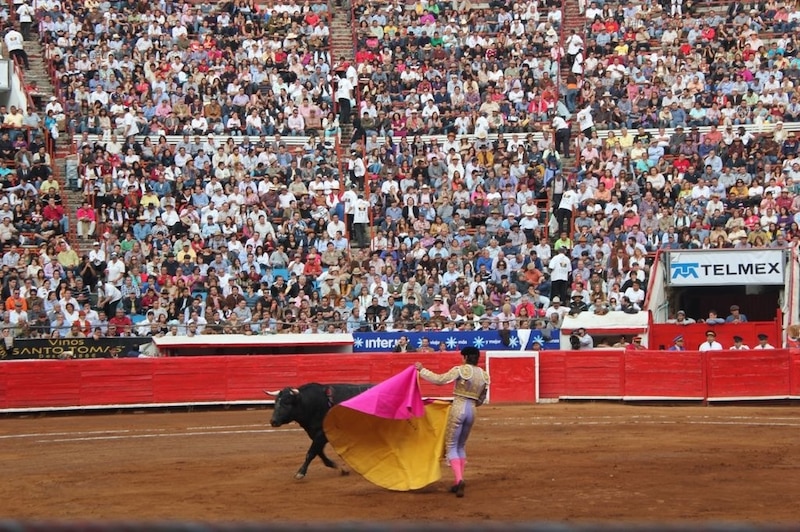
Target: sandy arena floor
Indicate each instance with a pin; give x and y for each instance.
(575, 462)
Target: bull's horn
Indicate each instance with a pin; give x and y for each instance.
(295, 391)
(274, 394)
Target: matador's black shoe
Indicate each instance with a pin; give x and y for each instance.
(460, 489)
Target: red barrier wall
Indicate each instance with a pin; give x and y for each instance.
(720, 375)
(513, 379)
(65, 383)
(662, 334)
(667, 374)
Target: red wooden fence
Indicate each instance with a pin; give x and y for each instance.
(630, 375)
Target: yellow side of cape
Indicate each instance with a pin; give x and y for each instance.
(396, 454)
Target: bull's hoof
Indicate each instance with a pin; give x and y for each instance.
(299, 476)
(460, 489)
(344, 472)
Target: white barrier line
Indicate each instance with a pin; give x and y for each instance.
(128, 435)
(121, 431)
(40, 434)
(664, 422)
(164, 435)
(215, 427)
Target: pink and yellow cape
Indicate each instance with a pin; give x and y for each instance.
(389, 435)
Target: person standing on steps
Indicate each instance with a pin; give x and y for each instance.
(469, 392)
(344, 95)
(563, 135)
(25, 15)
(15, 48)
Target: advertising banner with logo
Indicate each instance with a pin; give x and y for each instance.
(727, 267)
(46, 348)
(519, 340)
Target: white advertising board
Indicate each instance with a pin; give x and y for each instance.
(727, 267)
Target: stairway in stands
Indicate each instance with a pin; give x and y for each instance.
(342, 46)
(572, 19)
(38, 74)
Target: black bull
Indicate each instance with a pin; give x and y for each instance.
(308, 406)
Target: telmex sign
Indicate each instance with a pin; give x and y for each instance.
(729, 267)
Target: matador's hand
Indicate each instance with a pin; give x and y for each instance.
(418, 365)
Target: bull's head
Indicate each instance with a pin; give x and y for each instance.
(285, 401)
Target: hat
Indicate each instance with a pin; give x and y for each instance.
(96, 244)
(556, 300)
(114, 255)
(711, 333)
(677, 339)
(734, 307)
(356, 271)
(737, 339)
(437, 297)
(680, 312)
(577, 294)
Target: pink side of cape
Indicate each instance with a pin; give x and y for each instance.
(397, 397)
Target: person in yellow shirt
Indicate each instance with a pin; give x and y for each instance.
(13, 118)
(187, 251)
(625, 139)
(47, 184)
(149, 198)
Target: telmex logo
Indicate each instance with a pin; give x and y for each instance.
(690, 269)
(685, 270)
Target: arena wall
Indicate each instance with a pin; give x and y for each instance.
(616, 375)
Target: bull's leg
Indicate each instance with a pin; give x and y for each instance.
(317, 445)
(330, 463)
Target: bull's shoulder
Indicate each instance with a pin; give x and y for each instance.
(342, 391)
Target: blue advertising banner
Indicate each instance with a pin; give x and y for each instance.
(519, 340)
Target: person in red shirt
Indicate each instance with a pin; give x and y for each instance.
(636, 345)
(82, 323)
(87, 220)
(120, 320)
(313, 266)
(54, 216)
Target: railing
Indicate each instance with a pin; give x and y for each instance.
(561, 31)
(651, 279)
(357, 90)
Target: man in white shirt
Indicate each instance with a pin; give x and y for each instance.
(296, 123)
(25, 14)
(560, 267)
(585, 120)
(335, 225)
(562, 136)
(738, 344)
(711, 343)
(763, 342)
(566, 207)
(344, 95)
(129, 126)
(360, 221)
(14, 45)
(357, 169)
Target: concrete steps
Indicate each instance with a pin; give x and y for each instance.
(39, 75)
(342, 46)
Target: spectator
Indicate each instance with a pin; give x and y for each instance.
(763, 342)
(735, 316)
(711, 343)
(738, 344)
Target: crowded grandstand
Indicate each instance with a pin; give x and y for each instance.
(475, 166)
